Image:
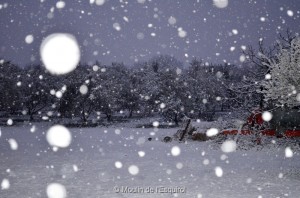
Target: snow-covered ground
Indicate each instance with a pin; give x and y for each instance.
(88, 168)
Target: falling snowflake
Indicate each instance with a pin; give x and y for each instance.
(155, 123)
(290, 13)
(117, 26)
(100, 2)
(172, 20)
(220, 3)
(133, 170)
(141, 153)
(13, 144)
(29, 39)
(179, 165)
(219, 171)
(267, 116)
(288, 152)
(118, 164)
(212, 132)
(60, 4)
(175, 151)
(228, 146)
(9, 122)
(59, 136)
(60, 53)
(5, 184)
(83, 89)
(56, 190)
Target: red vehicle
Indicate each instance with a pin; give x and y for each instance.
(255, 125)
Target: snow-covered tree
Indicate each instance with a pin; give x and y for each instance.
(34, 90)
(282, 84)
(108, 89)
(10, 98)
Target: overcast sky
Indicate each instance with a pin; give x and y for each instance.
(136, 30)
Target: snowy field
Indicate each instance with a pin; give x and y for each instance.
(101, 161)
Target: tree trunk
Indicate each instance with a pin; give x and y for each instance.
(108, 117)
(31, 117)
(130, 113)
(83, 116)
(261, 101)
(176, 120)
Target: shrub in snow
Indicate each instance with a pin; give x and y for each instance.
(199, 137)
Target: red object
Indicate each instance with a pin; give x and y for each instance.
(291, 133)
(255, 118)
(266, 132)
(269, 132)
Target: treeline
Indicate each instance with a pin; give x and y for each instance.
(161, 85)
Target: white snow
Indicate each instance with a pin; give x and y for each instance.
(172, 20)
(118, 164)
(155, 123)
(243, 171)
(59, 136)
(29, 39)
(290, 13)
(298, 97)
(228, 146)
(141, 1)
(126, 19)
(141, 153)
(220, 3)
(181, 33)
(268, 76)
(9, 122)
(133, 170)
(118, 131)
(267, 116)
(212, 132)
(33, 128)
(75, 168)
(58, 94)
(95, 68)
(162, 105)
(219, 171)
(179, 165)
(5, 184)
(83, 89)
(60, 53)
(175, 151)
(288, 152)
(100, 2)
(141, 140)
(140, 36)
(13, 144)
(60, 4)
(117, 26)
(235, 31)
(56, 190)
(178, 71)
(242, 58)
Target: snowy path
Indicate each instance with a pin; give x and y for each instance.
(95, 150)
